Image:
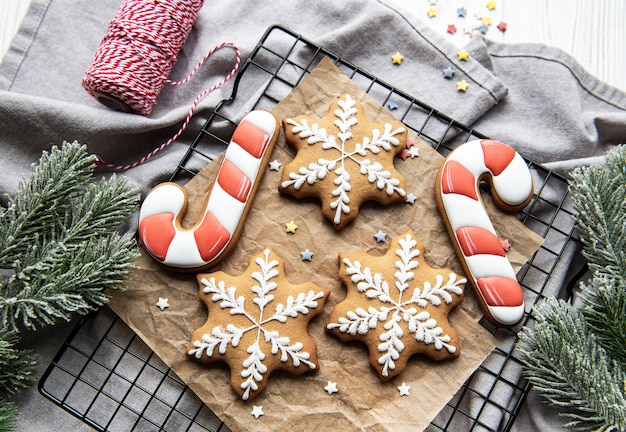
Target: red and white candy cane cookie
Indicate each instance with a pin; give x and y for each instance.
(475, 240)
(228, 202)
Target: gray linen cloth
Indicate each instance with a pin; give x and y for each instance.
(533, 97)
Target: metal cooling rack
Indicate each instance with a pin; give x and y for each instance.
(106, 376)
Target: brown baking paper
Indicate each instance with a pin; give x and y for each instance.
(362, 402)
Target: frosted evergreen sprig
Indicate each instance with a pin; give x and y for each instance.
(576, 357)
(567, 366)
(59, 244)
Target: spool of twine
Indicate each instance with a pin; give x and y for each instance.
(136, 56)
(138, 52)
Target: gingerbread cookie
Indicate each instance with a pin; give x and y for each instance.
(257, 323)
(475, 241)
(225, 210)
(397, 305)
(344, 160)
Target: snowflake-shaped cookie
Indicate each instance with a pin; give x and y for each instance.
(344, 160)
(397, 305)
(257, 323)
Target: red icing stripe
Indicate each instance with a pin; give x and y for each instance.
(211, 237)
(157, 232)
(457, 179)
(233, 181)
(497, 155)
(253, 139)
(501, 291)
(475, 240)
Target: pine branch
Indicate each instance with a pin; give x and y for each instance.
(58, 240)
(599, 196)
(566, 365)
(8, 416)
(17, 367)
(576, 357)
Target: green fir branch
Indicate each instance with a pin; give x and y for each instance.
(576, 357)
(59, 243)
(565, 364)
(8, 416)
(17, 367)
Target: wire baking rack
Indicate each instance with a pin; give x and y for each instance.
(107, 376)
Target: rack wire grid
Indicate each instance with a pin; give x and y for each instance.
(107, 376)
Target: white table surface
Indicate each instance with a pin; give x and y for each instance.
(592, 31)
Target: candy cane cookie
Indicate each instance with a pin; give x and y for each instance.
(475, 240)
(226, 207)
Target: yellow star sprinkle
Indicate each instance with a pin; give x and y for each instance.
(486, 20)
(397, 58)
(291, 227)
(491, 5)
(431, 12)
(462, 85)
(463, 55)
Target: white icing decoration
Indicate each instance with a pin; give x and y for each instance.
(483, 265)
(170, 198)
(221, 337)
(507, 315)
(464, 211)
(165, 198)
(395, 308)
(317, 171)
(515, 183)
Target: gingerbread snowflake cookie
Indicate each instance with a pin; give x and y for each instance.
(344, 160)
(397, 305)
(257, 323)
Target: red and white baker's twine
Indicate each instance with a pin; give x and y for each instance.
(136, 56)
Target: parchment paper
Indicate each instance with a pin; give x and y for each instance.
(362, 403)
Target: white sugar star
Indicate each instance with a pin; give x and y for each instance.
(404, 389)
(414, 152)
(257, 411)
(162, 303)
(275, 165)
(410, 198)
(381, 236)
(306, 255)
(331, 387)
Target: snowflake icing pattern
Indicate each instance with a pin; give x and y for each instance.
(264, 333)
(398, 313)
(343, 149)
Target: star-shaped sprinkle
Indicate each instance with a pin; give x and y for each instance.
(392, 104)
(431, 12)
(461, 12)
(451, 29)
(414, 152)
(162, 303)
(404, 389)
(275, 165)
(483, 29)
(380, 236)
(306, 255)
(397, 58)
(491, 5)
(462, 85)
(486, 20)
(257, 323)
(257, 411)
(410, 198)
(506, 244)
(331, 387)
(397, 305)
(462, 55)
(291, 227)
(448, 72)
(502, 26)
